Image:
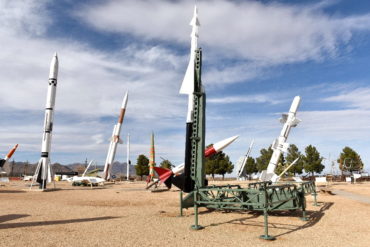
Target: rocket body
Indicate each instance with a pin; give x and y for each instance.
(280, 145)
(8, 156)
(128, 157)
(188, 87)
(115, 140)
(151, 159)
(44, 170)
(243, 161)
(165, 174)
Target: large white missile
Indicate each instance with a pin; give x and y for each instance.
(115, 140)
(280, 145)
(43, 170)
(187, 87)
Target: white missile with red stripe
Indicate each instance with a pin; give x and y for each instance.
(115, 140)
(165, 174)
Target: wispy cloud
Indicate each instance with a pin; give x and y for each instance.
(275, 33)
(260, 98)
(357, 98)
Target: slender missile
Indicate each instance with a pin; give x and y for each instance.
(165, 174)
(280, 145)
(243, 162)
(43, 170)
(8, 156)
(151, 160)
(187, 87)
(218, 146)
(128, 157)
(276, 178)
(115, 140)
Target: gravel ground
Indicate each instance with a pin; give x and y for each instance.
(126, 214)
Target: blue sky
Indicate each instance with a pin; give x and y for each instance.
(257, 55)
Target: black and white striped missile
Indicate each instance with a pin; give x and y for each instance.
(187, 87)
(43, 170)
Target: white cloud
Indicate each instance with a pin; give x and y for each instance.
(259, 98)
(274, 33)
(357, 98)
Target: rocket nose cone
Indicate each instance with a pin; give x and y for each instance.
(124, 101)
(295, 104)
(224, 143)
(54, 66)
(16, 146)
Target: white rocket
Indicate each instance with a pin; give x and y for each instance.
(187, 86)
(43, 170)
(128, 157)
(115, 140)
(280, 145)
(243, 161)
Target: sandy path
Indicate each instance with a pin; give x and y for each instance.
(127, 215)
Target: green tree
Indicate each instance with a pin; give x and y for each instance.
(218, 164)
(349, 160)
(141, 166)
(293, 153)
(166, 164)
(264, 159)
(251, 166)
(312, 160)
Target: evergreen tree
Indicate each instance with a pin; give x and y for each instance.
(349, 160)
(218, 164)
(141, 166)
(293, 153)
(265, 157)
(251, 166)
(312, 160)
(166, 164)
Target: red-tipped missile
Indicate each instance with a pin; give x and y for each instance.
(8, 156)
(164, 174)
(218, 146)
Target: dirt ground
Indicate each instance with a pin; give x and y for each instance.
(125, 214)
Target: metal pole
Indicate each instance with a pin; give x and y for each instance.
(128, 157)
(266, 236)
(196, 226)
(181, 214)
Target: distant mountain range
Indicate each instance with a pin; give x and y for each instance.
(16, 169)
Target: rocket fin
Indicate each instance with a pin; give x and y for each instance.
(283, 118)
(2, 162)
(187, 86)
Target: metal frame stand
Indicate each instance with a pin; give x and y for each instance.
(196, 226)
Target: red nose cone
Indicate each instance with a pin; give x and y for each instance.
(209, 151)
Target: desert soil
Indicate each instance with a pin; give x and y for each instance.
(125, 214)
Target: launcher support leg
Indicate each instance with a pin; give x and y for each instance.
(181, 209)
(304, 217)
(196, 226)
(314, 194)
(266, 236)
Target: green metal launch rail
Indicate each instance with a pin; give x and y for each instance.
(262, 196)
